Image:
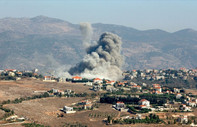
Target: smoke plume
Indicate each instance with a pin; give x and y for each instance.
(103, 59)
(86, 31)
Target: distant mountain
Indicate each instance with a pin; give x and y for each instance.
(53, 44)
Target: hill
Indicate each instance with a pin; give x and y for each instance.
(53, 44)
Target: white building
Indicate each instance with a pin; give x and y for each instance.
(183, 119)
(98, 80)
(178, 96)
(120, 106)
(144, 102)
(68, 110)
(88, 84)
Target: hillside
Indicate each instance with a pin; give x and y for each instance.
(53, 44)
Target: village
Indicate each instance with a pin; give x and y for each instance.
(128, 102)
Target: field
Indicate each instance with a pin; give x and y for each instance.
(27, 87)
(45, 110)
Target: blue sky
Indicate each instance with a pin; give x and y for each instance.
(169, 15)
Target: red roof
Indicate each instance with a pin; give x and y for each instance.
(10, 69)
(76, 77)
(47, 76)
(97, 79)
(143, 100)
(120, 102)
(121, 83)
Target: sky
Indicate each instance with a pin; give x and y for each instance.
(168, 15)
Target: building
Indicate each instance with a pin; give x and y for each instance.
(156, 85)
(158, 92)
(176, 90)
(10, 70)
(182, 119)
(98, 80)
(110, 88)
(120, 106)
(68, 110)
(76, 78)
(178, 96)
(191, 103)
(158, 89)
(48, 79)
(183, 107)
(145, 103)
(86, 104)
(88, 84)
(110, 82)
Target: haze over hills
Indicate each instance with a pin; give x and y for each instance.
(49, 44)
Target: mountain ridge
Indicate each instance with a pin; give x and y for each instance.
(50, 43)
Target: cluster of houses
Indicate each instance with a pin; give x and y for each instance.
(154, 74)
(120, 106)
(18, 74)
(57, 92)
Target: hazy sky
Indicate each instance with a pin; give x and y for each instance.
(169, 15)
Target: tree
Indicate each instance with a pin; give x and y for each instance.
(109, 120)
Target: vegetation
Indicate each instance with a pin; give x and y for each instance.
(114, 99)
(14, 75)
(19, 100)
(152, 118)
(33, 125)
(133, 109)
(8, 112)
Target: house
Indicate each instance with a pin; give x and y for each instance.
(61, 92)
(142, 106)
(10, 73)
(120, 106)
(158, 92)
(168, 91)
(97, 87)
(139, 87)
(183, 107)
(68, 110)
(176, 90)
(121, 84)
(76, 78)
(156, 85)
(178, 96)
(110, 88)
(86, 104)
(144, 84)
(88, 84)
(138, 116)
(54, 90)
(19, 73)
(48, 79)
(98, 80)
(144, 102)
(10, 70)
(182, 119)
(68, 91)
(110, 82)
(191, 103)
(158, 89)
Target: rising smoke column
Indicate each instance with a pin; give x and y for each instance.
(103, 59)
(86, 31)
